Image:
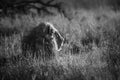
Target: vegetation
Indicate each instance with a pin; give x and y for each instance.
(91, 50)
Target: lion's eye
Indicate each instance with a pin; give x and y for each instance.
(49, 36)
(49, 30)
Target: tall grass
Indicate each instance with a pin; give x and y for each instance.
(90, 52)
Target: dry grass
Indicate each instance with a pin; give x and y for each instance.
(82, 56)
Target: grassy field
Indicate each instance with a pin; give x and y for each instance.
(91, 50)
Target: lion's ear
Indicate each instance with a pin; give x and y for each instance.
(59, 40)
